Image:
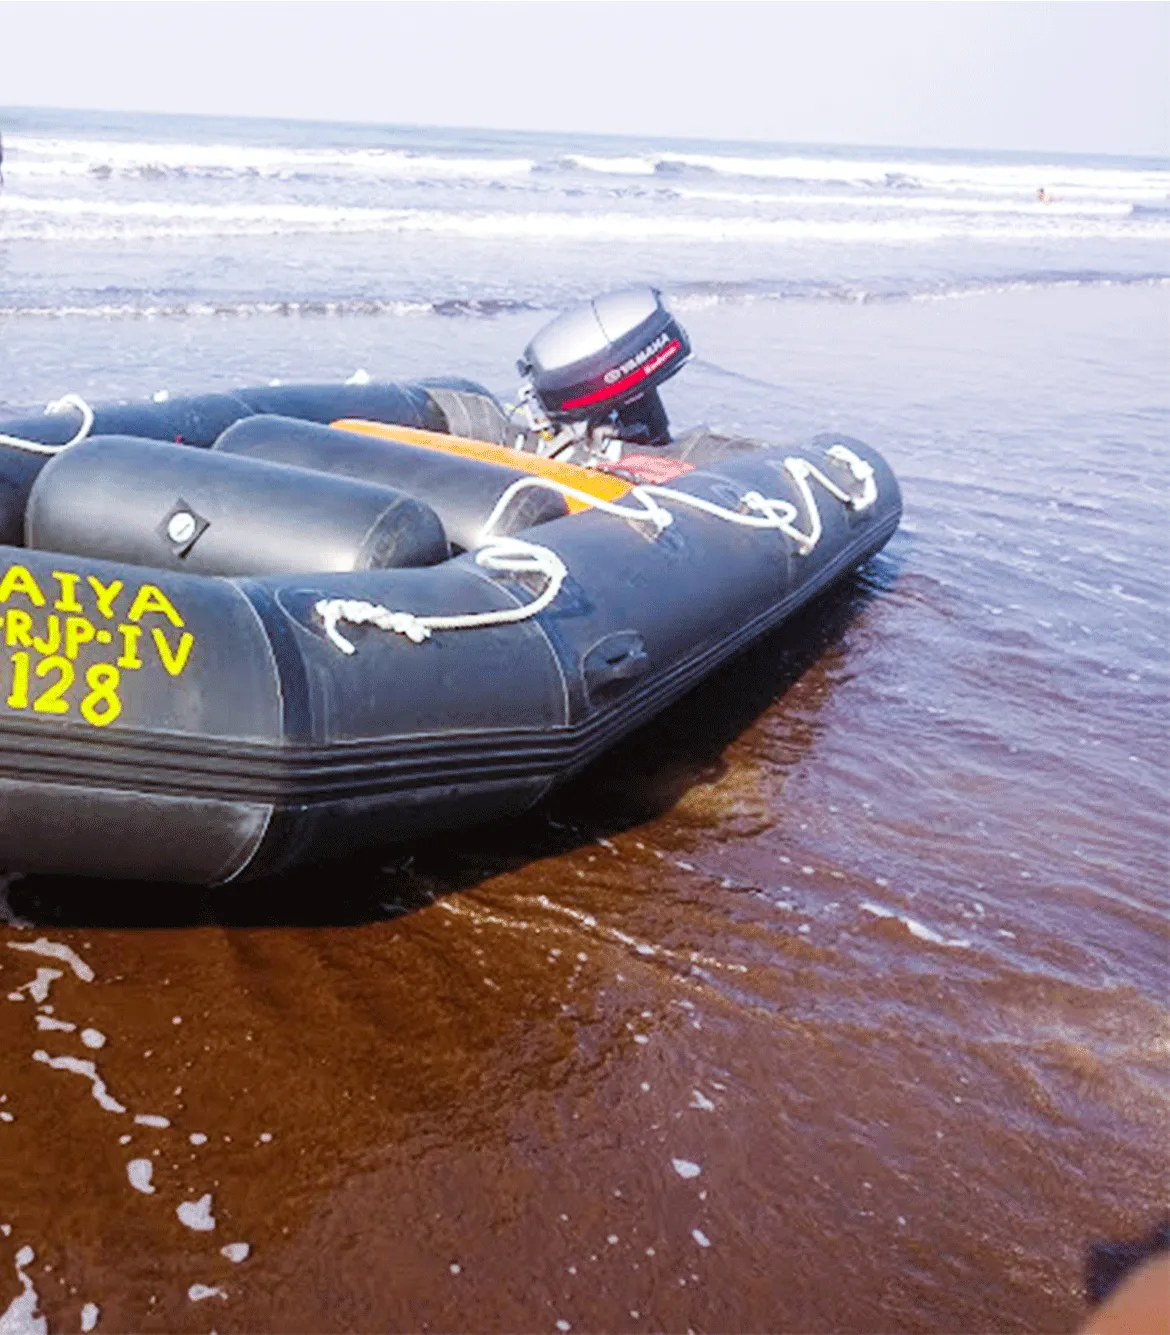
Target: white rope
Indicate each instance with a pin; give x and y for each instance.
(768, 512)
(862, 472)
(60, 405)
(649, 511)
(515, 556)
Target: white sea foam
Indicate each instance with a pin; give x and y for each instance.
(198, 1293)
(50, 1022)
(914, 927)
(917, 202)
(87, 1069)
(79, 219)
(41, 158)
(140, 1171)
(56, 950)
(39, 987)
(21, 1316)
(629, 165)
(245, 309)
(682, 300)
(45, 157)
(197, 1214)
(910, 173)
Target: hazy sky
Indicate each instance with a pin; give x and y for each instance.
(1076, 77)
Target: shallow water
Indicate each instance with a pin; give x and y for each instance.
(869, 930)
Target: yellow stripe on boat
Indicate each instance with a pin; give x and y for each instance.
(604, 486)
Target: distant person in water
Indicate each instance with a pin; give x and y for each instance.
(1043, 196)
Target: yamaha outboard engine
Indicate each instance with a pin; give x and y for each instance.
(592, 375)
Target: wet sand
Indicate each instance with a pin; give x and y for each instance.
(834, 1000)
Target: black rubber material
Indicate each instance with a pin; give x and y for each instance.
(198, 420)
(463, 492)
(170, 726)
(119, 498)
(471, 411)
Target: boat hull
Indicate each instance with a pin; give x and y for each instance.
(166, 726)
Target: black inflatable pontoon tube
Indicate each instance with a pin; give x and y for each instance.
(198, 419)
(463, 492)
(118, 498)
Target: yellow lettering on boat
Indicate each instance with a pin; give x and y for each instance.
(130, 637)
(18, 628)
(68, 599)
(173, 660)
(19, 580)
(150, 598)
(53, 642)
(105, 594)
(66, 653)
(78, 631)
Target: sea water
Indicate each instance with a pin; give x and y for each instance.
(869, 932)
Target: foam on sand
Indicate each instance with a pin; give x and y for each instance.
(20, 1317)
(87, 1069)
(198, 1293)
(56, 950)
(140, 1171)
(197, 1214)
(914, 927)
(39, 987)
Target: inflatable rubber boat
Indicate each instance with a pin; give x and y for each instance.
(241, 631)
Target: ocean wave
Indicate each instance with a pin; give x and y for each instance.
(985, 178)
(26, 218)
(630, 165)
(704, 295)
(683, 297)
(1050, 207)
(150, 308)
(46, 158)
(898, 174)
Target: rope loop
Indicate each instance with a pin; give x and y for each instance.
(511, 556)
(515, 556)
(61, 405)
(647, 511)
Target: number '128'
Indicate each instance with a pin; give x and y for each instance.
(101, 706)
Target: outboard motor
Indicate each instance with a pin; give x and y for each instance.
(591, 377)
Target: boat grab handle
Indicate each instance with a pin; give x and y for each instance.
(617, 658)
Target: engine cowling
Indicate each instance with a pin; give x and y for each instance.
(602, 362)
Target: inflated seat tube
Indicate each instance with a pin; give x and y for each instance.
(194, 420)
(463, 492)
(118, 498)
